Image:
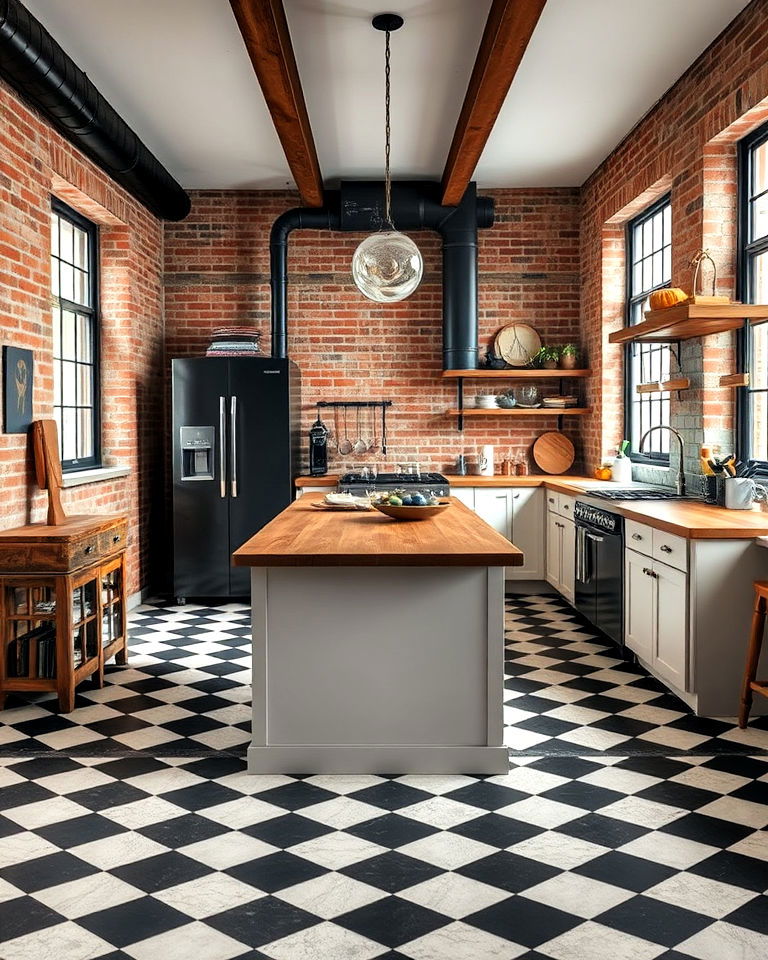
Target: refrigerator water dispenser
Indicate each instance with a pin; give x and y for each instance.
(197, 453)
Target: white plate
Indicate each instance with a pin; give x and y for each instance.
(517, 343)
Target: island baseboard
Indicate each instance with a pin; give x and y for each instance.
(345, 759)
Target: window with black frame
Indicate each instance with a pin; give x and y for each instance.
(753, 288)
(649, 267)
(74, 285)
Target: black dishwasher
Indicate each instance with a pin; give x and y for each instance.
(600, 568)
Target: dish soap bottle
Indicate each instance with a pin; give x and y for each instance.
(621, 471)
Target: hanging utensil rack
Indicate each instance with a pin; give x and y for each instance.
(357, 404)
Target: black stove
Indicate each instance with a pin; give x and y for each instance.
(358, 483)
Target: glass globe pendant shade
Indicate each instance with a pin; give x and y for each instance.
(387, 267)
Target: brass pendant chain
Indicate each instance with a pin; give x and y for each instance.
(387, 180)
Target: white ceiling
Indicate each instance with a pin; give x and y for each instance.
(178, 72)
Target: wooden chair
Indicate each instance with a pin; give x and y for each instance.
(751, 685)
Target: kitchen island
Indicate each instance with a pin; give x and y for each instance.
(377, 645)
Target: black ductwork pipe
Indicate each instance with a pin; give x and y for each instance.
(416, 205)
(47, 78)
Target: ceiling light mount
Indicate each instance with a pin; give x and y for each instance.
(388, 22)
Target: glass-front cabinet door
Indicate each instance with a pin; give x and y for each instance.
(30, 633)
(112, 607)
(85, 638)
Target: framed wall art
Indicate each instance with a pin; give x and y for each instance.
(17, 389)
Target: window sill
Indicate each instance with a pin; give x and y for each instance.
(93, 475)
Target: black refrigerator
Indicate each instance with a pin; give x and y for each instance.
(234, 448)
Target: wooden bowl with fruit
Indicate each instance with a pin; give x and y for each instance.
(409, 506)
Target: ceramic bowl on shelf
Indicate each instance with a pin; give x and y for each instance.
(505, 401)
(411, 513)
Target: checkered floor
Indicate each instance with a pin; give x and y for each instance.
(129, 828)
(186, 691)
(569, 692)
(562, 858)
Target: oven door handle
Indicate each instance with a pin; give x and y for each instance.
(579, 552)
(593, 537)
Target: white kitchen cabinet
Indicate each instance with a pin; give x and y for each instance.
(517, 513)
(656, 616)
(561, 554)
(638, 605)
(466, 495)
(494, 505)
(671, 652)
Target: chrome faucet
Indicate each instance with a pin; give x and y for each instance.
(680, 482)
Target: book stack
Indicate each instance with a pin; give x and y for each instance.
(561, 402)
(234, 342)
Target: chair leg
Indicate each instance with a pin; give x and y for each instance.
(753, 656)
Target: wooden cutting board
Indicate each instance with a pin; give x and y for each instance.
(553, 452)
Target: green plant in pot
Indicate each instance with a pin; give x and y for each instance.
(547, 358)
(569, 357)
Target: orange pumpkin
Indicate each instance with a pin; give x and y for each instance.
(667, 297)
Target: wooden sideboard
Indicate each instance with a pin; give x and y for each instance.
(62, 605)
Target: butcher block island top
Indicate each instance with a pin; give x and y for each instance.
(303, 536)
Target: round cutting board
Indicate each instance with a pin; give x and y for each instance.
(517, 343)
(553, 452)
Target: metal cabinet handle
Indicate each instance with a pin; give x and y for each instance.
(551, 499)
(222, 448)
(650, 573)
(89, 549)
(636, 536)
(233, 442)
(665, 549)
(515, 496)
(116, 538)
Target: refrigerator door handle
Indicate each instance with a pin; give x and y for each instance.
(222, 448)
(233, 442)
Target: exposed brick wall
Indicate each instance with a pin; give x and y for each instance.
(35, 162)
(686, 144)
(217, 271)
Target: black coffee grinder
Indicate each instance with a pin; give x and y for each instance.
(318, 448)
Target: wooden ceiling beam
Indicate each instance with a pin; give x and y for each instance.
(268, 41)
(508, 29)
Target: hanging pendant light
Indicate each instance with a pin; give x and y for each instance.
(387, 266)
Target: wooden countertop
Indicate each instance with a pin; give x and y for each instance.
(73, 528)
(303, 536)
(695, 521)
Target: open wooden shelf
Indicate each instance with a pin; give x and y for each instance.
(686, 320)
(519, 373)
(518, 412)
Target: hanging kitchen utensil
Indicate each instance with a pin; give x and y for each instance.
(346, 446)
(371, 443)
(518, 344)
(360, 445)
(553, 452)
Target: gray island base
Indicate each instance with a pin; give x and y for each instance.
(383, 659)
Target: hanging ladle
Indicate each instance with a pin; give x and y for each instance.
(360, 445)
(346, 446)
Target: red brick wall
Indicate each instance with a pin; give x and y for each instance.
(217, 271)
(686, 143)
(35, 162)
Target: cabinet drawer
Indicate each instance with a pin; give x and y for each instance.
(111, 541)
(639, 537)
(565, 505)
(670, 549)
(553, 501)
(84, 552)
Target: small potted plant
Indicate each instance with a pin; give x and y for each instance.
(547, 358)
(569, 357)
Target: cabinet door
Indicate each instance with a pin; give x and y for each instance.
(554, 548)
(495, 507)
(465, 494)
(528, 532)
(670, 658)
(639, 600)
(568, 559)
